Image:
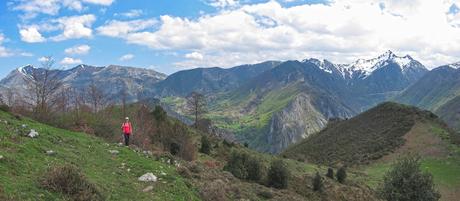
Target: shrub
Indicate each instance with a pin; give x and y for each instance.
(205, 145)
(278, 175)
(227, 143)
(341, 174)
(159, 113)
(317, 182)
(266, 194)
(244, 166)
(406, 182)
(67, 179)
(184, 172)
(4, 107)
(237, 164)
(330, 173)
(255, 169)
(216, 190)
(174, 148)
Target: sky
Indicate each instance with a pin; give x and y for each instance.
(173, 35)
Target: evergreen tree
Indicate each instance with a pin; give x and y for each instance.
(205, 145)
(278, 175)
(317, 182)
(341, 174)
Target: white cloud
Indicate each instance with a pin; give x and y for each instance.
(3, 51)
(43, 59)
(74, 27)
(194, 56)
(100, 2)
(32, 8)
(126, 57)
(31, 35)
(71, 27)
(132, 13)
(340, 31)
(70, 61)
(222, 3)
(80, 49)
(117, 28)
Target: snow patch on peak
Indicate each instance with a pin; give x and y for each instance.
(402, 61)
(455, 65)
(366, 67)
(25, 69)
(322, 64)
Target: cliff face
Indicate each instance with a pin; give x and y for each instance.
(302, 117)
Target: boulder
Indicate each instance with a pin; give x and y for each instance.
(33, 133)
(147, 189)
(50, 153)
(148, 177)
(114, 152)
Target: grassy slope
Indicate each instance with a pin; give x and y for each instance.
(25, 161)
(450, 113)
(424, 135)
(445, 171)
(244, 114)
(358, 140)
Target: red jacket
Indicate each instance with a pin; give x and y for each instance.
(127, 128)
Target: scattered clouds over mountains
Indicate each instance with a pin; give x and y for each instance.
(242, 31)
(338, 30)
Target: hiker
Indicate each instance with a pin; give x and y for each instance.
(127, 130)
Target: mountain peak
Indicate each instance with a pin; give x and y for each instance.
(26, 70)
(387, 55)
(455, 65)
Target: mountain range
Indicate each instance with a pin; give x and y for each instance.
(274, 104)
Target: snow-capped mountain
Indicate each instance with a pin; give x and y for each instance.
(455, 65)
(111, 79)
(363, 68)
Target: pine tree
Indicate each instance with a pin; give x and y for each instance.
(330, 173)
(341, 174)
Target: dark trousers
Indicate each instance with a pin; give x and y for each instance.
(126, 138)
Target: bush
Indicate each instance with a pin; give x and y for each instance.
(184, 172)
(255, 169)
(317, 182)
(227, 143)
(266, 194)
(330, 173)
(341, 174)
(244, 166)
(205, 145)
(4, 107)
(159, 113)
(216, 190)
(174, 148)
(70, 181)
(278, 175)
(406, 182)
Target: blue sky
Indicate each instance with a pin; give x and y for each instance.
(168, 35)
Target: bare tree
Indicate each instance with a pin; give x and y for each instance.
(96, 97)
(196, 106)
(43, 85)
(63, 99)
(78, 103)
(124, 99)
